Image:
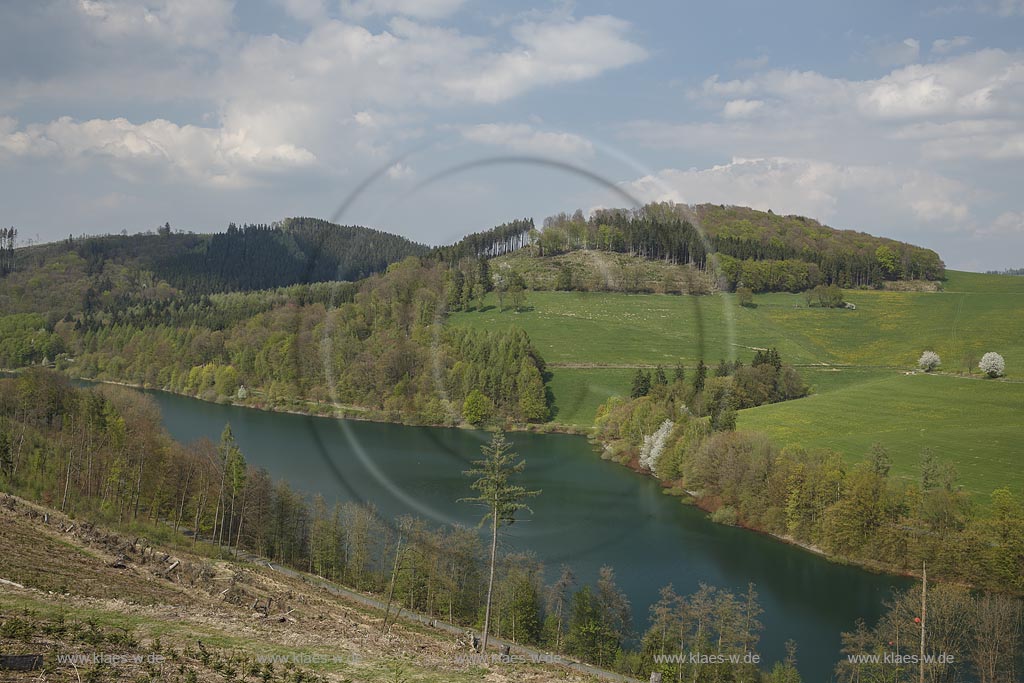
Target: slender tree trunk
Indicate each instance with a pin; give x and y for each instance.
(138, 486)
(218, 521)
(241, 517)
(199, 512)
(391, 588)
(184, 496)
(490, 580)
(88, 467)
(231, 515)
(67, 474)
(17, 455)
(558, 630)
(924, 614)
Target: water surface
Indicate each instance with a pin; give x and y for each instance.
(591, 513)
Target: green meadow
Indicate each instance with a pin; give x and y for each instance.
(579, 391)
(977, 313)
(975, 424)
(854, 360)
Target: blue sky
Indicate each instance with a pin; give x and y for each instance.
(901, 119)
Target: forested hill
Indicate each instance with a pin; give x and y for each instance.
(759, 250)
(254, 257)
(847, 257)
(297, 250)
(756, 249)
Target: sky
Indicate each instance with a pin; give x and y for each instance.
(435, 118)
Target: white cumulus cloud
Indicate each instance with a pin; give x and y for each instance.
(1008, 223)
(548, 53)
(184, 22)
(740, 109)
(206, 154)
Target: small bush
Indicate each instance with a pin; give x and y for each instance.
(725, 515)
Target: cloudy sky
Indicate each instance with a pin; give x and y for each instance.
(902, 119)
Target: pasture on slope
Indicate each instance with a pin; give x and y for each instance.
(973, 423)
(888, 328)
(593, 342)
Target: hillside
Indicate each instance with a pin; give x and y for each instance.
(298, 250)
(128, 324)
(973, 424)
(71, 588)
(652, 249)
(595, 270)
(593, 342)
(755, 249)
(55, 279)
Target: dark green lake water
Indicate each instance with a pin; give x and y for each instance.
(591, 513)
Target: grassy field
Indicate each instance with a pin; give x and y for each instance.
(977, 313)
(973, 423)
(579, 391)
(854, 361)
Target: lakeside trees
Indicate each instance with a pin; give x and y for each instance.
(379, 346)
(102, 454)
(969, 635)
(714, 623)
(857, 512)
(732, 387)
(123, 469)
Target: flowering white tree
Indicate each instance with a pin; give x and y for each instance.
(992, 364)
(929, 361)
(654, 444)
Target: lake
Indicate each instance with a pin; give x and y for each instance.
(591, 513)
